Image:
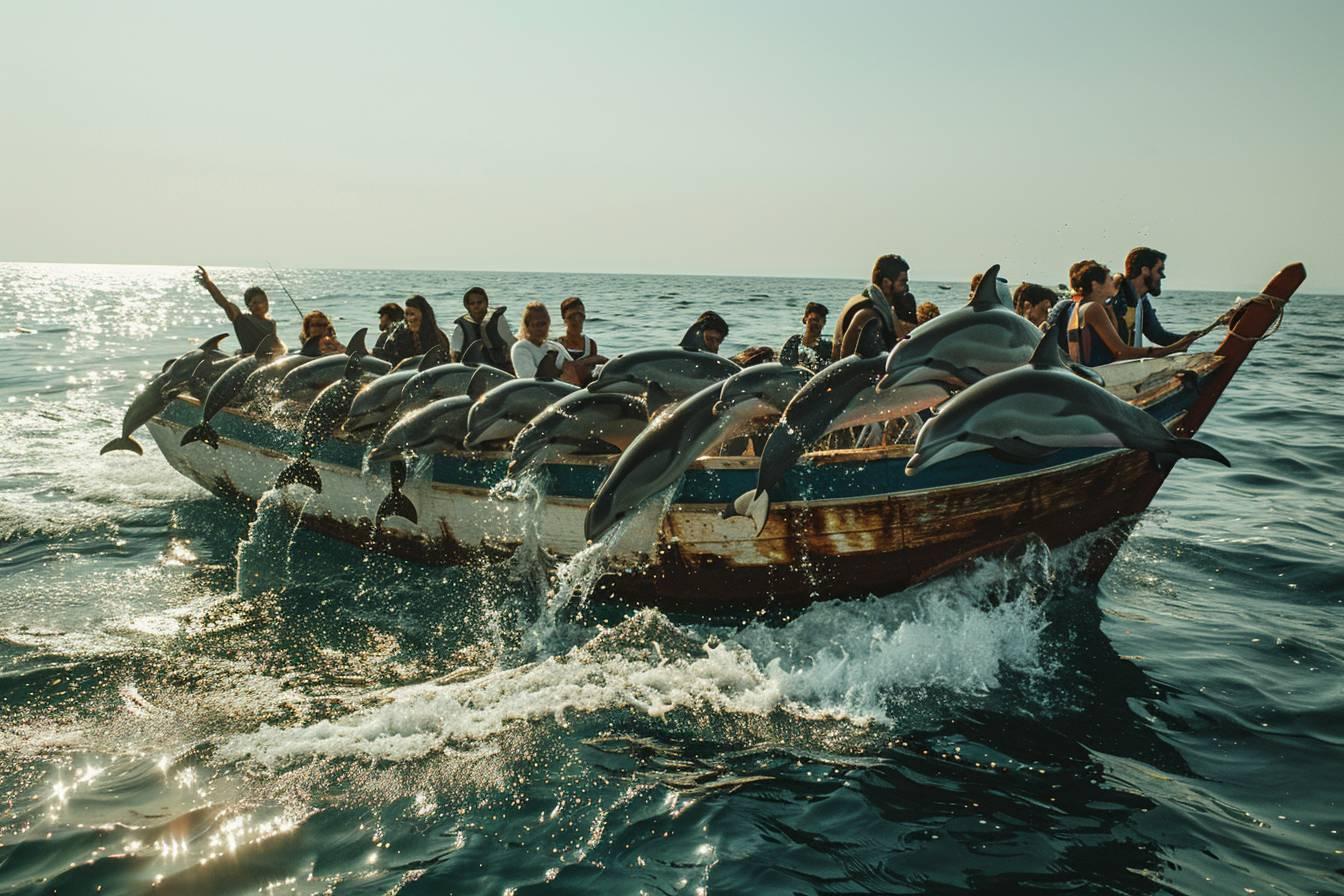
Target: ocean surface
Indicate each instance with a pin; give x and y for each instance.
(356, 724)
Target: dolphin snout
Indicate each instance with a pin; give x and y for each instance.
(893, 377)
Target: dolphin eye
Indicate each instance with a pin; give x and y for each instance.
(961, 436)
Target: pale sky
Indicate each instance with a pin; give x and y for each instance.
(789, 139)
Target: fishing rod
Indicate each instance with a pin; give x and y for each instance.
(276, 274)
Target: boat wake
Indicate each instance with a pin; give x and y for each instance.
(895, 662)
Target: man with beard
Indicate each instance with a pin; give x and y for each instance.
(1135, 315)
(875, 319)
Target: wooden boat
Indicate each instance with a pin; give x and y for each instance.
(844, 523)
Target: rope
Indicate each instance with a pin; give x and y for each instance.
(1230, 315)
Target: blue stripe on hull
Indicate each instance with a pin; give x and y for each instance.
(806, 481)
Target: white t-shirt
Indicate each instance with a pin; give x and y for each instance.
(526, 356)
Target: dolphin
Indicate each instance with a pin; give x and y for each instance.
(504, 410)
(673, 441)
(205, 374)
(181, 369)
(324, 416)
(665, 374)
(267, 377)
(814, 411)
(603, 422)
(154, 397)
(1032, 411)
(964, 346)
(225, 389)
(445, 381)
(377, 401)
(307, 380)
(438, 426)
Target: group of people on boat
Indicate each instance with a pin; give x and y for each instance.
(1110, 318)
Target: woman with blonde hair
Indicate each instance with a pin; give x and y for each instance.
(533, 345)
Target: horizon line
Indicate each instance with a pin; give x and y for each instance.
(265, 266)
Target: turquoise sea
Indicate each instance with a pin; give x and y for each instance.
(350, 723)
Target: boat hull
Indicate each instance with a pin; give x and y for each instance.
(843, 524)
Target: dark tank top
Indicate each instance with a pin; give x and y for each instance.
(250, 330)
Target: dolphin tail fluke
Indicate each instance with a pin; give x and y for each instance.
(396, 504)
(753, 504)
(1190, 448)
(125, 443)
(202, 432)
(301, 472)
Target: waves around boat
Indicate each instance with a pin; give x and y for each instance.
(207, 699)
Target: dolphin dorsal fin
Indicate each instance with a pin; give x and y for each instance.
(1048, 353)
(547, 369)
(478, 385)
(693, 341)
(987, 292)
(432, 358)
(353, 369)
(312, 348)
(356, 344)
(473, 355)
(212, 344)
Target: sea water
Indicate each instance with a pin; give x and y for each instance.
(195, 698)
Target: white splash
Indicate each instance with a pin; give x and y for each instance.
(851, 663)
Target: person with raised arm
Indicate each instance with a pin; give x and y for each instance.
(250, 326)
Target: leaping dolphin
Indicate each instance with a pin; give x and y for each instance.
(181, 370)
(664, 374)
(307, 380)
(445, 381)
(324, 416)
(1029, 412)
(811, 413)
(438, 426)
(267, 377)
(661, 453)
(603, 422)
(966, 345)
(225, 389)
(148, 402)
(378, 400)
(504, 410)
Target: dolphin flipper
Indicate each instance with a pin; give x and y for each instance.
(125, 443)
(301, 472)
